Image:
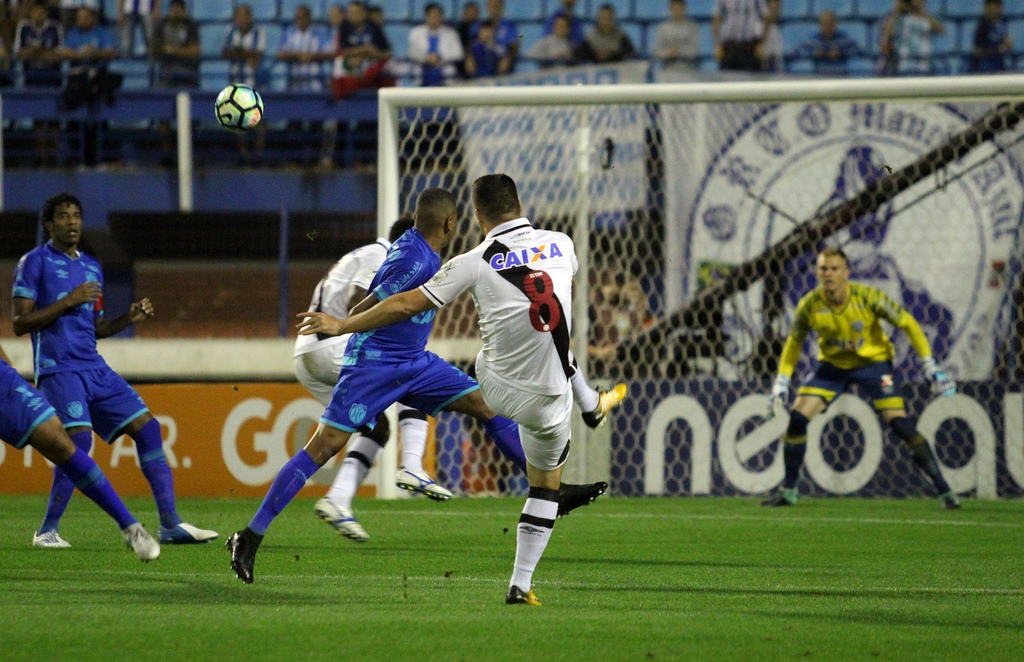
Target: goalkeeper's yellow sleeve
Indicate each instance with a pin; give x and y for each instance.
(791, 350)
(915, 334)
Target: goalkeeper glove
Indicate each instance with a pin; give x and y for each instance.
(943, 385)
(780, 395)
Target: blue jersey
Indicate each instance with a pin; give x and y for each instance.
(67, 344)
(410, 262)
(24, 409)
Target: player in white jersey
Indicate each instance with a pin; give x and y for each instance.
(520, 278)
(318, 361)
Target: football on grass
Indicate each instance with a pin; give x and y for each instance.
(239, 107)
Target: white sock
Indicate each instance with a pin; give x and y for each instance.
(532, 536)
(414, 440)
(362, 453)
(586, 397)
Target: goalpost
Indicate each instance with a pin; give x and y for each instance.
(696, 210)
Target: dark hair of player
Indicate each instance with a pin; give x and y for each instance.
(496, 198)
(433, 206)
(399, 227)
(51, 204)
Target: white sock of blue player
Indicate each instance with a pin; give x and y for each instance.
(361, 453)
(533, 533)
(413, 427)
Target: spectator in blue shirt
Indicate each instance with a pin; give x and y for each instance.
(363, 52)
(506, 34)
(992, 40)
(576, 27)
(830, 49)
(486, 57)
(37, 43)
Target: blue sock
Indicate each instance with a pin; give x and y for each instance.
(89, 478)
(505, 435)
(149, 444)
(63, 486)
(290, 479)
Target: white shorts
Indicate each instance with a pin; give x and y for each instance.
(545, 421)
(318, 370)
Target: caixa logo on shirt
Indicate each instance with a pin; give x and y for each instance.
(943, 249)
(521, 257)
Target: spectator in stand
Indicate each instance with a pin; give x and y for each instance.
(176, 47)
(137, 16)
(6, 79)
(305, 47)
(468, 20)
(576, 28)
(992, 40)
(770, 49)
(363, 52)
(486, 57)
(68, 11)
(737, 27)
(376, 13)
(506, 34)
(829, 49)
(88, 47)
(676, 41)
(176, 50)
(245, 43)
(555, 49)
(906, 42)
(37, 44)
(606, 42)
(435, 47)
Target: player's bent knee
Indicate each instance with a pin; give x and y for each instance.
(380, 433)
(797, 425)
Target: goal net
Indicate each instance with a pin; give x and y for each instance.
(697, 211)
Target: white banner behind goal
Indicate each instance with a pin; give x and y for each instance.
(702, 207)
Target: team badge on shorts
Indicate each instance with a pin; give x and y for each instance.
(357, 414)
(75, 409)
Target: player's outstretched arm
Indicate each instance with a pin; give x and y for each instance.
(393, 309)
(942, 383)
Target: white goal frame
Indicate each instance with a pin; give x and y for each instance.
(391, 101)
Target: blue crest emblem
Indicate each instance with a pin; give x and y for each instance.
(357, 414)
(75, 409)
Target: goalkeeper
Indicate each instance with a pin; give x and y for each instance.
(852, 349)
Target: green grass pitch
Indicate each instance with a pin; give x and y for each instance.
(623, 579)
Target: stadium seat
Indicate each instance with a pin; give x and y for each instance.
(655, 11)
(211, 10)
(266, 10)
(211, 37)
(699, 9)
(530, 33)
(635, 32)
(1017, 34)
(947, 42)
(795, 33)
(706, 43)
(398, 35)
(858, 31)
(798, 9)
(968, 8)
(523, 10)
(843, 8)
(873, 8)
(136, 73)
(213, 74)
(274, 31)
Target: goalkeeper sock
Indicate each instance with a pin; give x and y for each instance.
(505, 435)
(792, 459)
(413, 426)
(286, 485)
(925, 460)
(63, 486)
(362, 453)
(532, 535)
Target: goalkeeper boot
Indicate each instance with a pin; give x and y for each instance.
(608, 400)
(141, 542)
(243, 545)
(342, 519)
(419, 481)
(950, 502)
(571, 497)
(784, 497)
(516, 596)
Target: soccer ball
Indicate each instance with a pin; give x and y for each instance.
(239, 107)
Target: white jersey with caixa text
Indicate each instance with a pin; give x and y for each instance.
(331, 295)
(520, 278)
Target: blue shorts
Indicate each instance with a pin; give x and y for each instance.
(875, 381)
(99, 399)
(365, 390)
(22, 410)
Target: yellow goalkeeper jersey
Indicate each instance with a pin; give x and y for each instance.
(851, 335)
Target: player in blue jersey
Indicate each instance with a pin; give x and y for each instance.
(380, 368)
(27, 419)
(58, 298)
